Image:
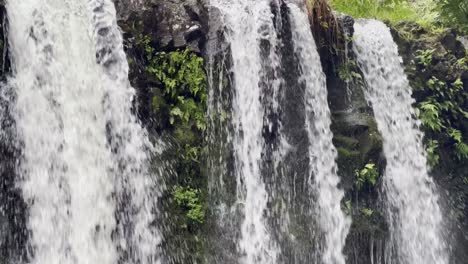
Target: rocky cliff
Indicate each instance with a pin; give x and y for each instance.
(174, 26)
(165, 36)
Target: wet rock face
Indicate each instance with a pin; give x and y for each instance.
(180, 24)
(172, 24)
(13, 231)
(158, 25)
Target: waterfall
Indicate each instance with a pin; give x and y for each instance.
(411, 199)
(253, 29)
(84, 167)
(248, 23)
(323, 178)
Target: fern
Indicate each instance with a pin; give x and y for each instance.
(429, 116)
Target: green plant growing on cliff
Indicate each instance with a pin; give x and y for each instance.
(461, 148)
(429, 115)
(432, 154)
(454, 13)
(462, 64)
(189, 199)
(182, 82)
(424, 57)
(348, 72)
(369, 174)
(179, 103)
(441, 112)
(367, 212)
(182, 75)
(145, 42)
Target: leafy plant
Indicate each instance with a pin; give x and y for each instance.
(369, 174)
(189, 200)
(424, 57)
(441, 113)
(432, 154)
(462, 64)
(429, 115)
(348, 72)
(461, 148)
(182, 76)
(179, 106)
(454, 13)
(367, 212)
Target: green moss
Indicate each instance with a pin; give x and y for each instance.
(344, 141)
(347, 153)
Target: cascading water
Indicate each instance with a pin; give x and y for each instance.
(323, 177)
(84, 170)
(248, 23)
(252, 30)
(414, 216)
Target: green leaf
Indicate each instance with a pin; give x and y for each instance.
(367, 212)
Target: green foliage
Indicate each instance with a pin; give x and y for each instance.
(462, 64)
(190, 201)
(424, 57)
(460, 146)
(454, 13)
(367, 212)
(183, 79)
(369, 174)
(179, 105)
(176, 83)
(429, 115)
(441, 111)
(436, 85)
(145, 42)
(428, 13)
(441, 95)
(391, 10)
(444, 100)
(432, 154)
(348, 72)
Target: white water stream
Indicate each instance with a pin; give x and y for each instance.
(84, 166)
(323, 177)
(411, 197)
(247, 24)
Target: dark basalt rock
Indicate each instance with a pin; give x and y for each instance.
(171, 24)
